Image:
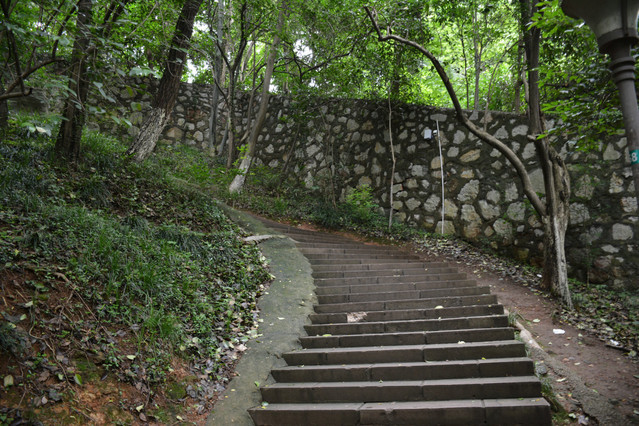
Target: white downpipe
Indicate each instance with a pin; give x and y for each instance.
(441, 168)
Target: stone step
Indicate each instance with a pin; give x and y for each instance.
(434, 370)
(397, 340)
(421, 290)
(423, 303)
(330, 267)
(346, 244)
(403, 390)
(332, 295)
(407, 314)
(507, 411)
(373, 250)
(485, 321)
(326, 282)
(407, 338)
(322, 260)
(407, 353)
(390, 272)
(319, 258)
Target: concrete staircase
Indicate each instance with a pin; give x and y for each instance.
(398, 341)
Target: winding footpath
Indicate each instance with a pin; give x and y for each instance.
(397, 341)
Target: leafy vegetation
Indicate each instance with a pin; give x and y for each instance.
(266, 194)
(128, 266)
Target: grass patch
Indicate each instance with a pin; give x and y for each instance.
(130, 265)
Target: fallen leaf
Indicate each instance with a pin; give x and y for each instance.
(563, 379)
(8, 381)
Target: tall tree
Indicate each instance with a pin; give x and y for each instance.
(88, 35)
(245, 165)
(553, 211)
(67, 144)
(25, 51)
(556, 178)
(164, 99)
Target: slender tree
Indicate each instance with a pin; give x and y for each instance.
(245, 165)
(67, 144)
(165, 98)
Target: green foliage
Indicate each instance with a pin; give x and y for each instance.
(577, 86)
(268, 194)
(34, 125)
(361, 206)
(140, 242)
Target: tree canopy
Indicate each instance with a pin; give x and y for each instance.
(326, 49)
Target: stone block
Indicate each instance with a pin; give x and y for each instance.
(578, 213)
(432, 203)
(611, 154)
(469, 192)
(622, 232)
(470, 156)
(412, 204)
(516, 211)
(418, 170)
(450, 209)
(436, 163)
(488, 211)
(174, 133)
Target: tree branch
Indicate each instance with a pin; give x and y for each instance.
(482, 135)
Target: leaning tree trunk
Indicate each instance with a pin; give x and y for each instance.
(67, 145)
(164, 100)
(554, 212)
(557, 183)
(245, 165)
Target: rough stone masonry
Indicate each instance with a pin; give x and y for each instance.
(346, 143)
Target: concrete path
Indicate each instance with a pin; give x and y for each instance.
(284, 311)
(391, 340)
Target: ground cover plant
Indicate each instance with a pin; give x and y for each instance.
(125, 290)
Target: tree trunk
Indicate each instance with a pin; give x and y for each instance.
(556, 178)
(394, 163)
(555, 274)
(518, 80)
(554, 213)
(67, 146)
(477, 53)
(238, 181)
(167, 93)
(219, 73)
(4, 109)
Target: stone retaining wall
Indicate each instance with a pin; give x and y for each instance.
(347, 142)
